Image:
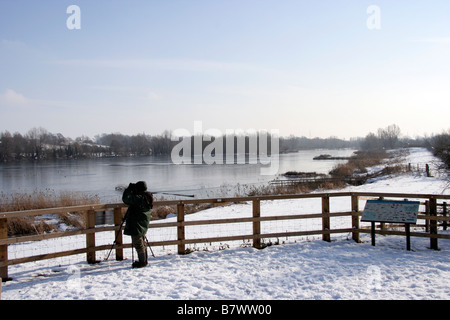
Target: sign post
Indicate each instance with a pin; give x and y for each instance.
(391, 212)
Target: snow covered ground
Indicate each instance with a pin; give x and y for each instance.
(302, 269)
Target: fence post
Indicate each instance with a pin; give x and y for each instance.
(355, 219)
(180, 228)
(256, 224)
(4, 248)
(118, 234)
(90, 237)
(444, 214)
(433, 223)
(326, 218)
(382, 224)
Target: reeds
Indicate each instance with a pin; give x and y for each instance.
(358, 164)
(42, 199)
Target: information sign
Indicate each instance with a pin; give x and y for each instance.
(390, 211)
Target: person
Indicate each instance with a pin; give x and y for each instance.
(140, 203)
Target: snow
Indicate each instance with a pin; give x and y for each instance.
(298, 269)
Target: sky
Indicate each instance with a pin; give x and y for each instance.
(319, 68)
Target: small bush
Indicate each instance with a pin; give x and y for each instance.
(161, 212)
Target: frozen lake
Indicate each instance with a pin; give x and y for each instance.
(102, 176)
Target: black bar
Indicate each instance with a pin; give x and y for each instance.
(408, 236)
(372, 233)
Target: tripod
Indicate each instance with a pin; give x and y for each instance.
(146, 253)
(117, 236)
(148, 245)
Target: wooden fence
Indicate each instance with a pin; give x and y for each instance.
(434, 214)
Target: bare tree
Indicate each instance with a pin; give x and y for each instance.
(389, 136)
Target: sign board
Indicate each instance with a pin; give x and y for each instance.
(390, 211)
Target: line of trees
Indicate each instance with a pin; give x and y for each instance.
(292, 143)
(389, 138)
(386, 138)
(39, 144)
(440, 146)
(136, 145)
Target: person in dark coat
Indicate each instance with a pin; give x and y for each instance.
(140, 203)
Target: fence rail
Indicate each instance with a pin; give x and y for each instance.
(435, 212)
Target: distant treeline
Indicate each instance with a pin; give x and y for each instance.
(389, 138)
(440, 146)
(39, 144)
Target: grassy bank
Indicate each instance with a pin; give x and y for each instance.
(357, 166)
(42, 199)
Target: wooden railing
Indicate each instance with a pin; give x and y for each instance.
(430, 215)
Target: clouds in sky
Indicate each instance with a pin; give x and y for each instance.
(302, 67)
(12, 98)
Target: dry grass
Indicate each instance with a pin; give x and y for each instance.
(161, 212)
(359, 163)
(355, 165)
(277, 189)
(295, 188)
(27, 226)
(42, 199)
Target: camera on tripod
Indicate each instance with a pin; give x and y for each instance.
(138, 187)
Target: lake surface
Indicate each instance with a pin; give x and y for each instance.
(102, 176)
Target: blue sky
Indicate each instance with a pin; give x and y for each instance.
(307, 68)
